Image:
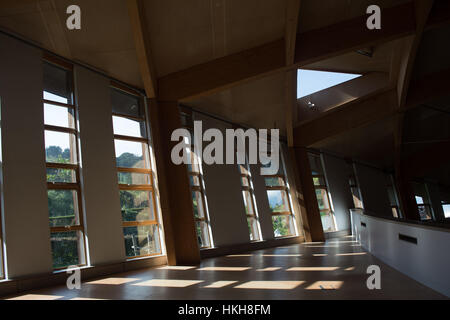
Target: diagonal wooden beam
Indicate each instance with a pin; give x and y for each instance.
(292, 13)
(311, 46)
(142, 44)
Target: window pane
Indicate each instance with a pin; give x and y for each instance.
(253, 229)
(394, 212)
(327, 221)
(133, 178)
(315, 163)
(63, 208)
(356, 198)
(197, 201)
(194, 180)
(126, 104)
(244, 182)
(136, 205)
(60, 147)
(130, 154)
(128, 127)
(282, 225)
(249, 210)
(141, 240)
(61, 175)
(424, 212)
(278, 201)
(202, 234)
(57, 84)
(319, 181)
(243, 170)
(274, 182)
(419, 200)
(322, 199)
(446, 208)
(67, 248)
(58, 116)
(391, 196)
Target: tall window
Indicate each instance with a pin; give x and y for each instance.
(2, 267)
(392, 195)
(249, 203)
(322, 195)
(135, 175)
(195, 172)
(63, 167)
(423, 201)
(355, 191)
(278, 194)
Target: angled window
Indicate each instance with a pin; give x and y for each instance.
(322, 194)
(283, 219)
(310, 81)
(423, 201)
(392, 195)
(63, 169)
(355, 191)
(201, 215)
(141, 229)
(249, 202)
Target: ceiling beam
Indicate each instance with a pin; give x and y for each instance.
(292, 16)
(142, 44)
(422, 12)
(310, 46)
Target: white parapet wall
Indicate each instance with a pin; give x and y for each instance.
(420, 252)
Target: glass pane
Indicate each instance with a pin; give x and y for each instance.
(282, 226)
(244, 182)
(322, 199)
(327, 221)
(424, 212)
(60, 147)
(61, 175)
(63, 208)
(197, 201)
(67, 249)
(130, 154)
(202, 234)
(136, 205)
(141, 240)
(391, 196)
(356, 198)
(253, 229)
(278, 201)
(126, 104)
(194, 180)
(274, 182)
(248, 202)
(394, 212)
(57, 84)
(419, 200)
(315, 164)
(446, 208)
(319, 181)
(243, 170)
(58, 116)
(128, 127)
(133, 178)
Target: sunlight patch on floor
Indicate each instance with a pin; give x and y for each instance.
(270, 285)
(169, 283)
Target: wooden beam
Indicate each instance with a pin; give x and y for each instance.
(422, 11)
(292, 13)
(142, 44)
(357, 113)
(311, 46)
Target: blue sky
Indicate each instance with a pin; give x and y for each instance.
(310, 81)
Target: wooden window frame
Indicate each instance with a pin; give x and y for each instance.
(250, 190)
(187, 113)
(286, 190)
(76, 167)
(142, 187)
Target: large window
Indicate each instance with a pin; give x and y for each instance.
(195, 172)
(355, 191)
(249, 203)
(278, 195)
(423, 201)
(392, 195)
(63, 170)
(135, 175)
(322, 195)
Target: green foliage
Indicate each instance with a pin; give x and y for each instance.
(279, 226)
(127, 160)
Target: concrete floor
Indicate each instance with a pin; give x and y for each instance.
(332, 270)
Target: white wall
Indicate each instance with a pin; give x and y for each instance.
(101, 191)
(427, 261)
(373, 187)
(25, 207)
(338, 172)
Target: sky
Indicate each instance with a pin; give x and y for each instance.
(310, 81)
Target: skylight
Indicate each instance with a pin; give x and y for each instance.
(310, 81)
